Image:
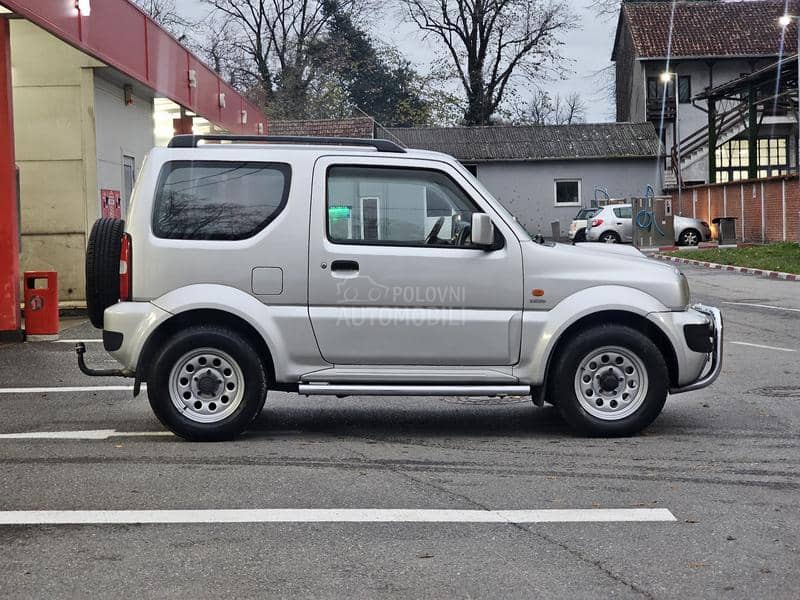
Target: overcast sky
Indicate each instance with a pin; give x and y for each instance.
(587, 49)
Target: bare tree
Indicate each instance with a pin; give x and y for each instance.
(605, 9)
(492, 44)
(604, 82)
(165, 14)
(215, 42)
(279, 39)
(544, 109)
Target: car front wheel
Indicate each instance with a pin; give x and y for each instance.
(207, 384)
(610, 381)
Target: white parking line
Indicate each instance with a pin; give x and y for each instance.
(764, 347)
(763, 306)
(54, 390)
(76, 341)
(331, 515)
(92, 434)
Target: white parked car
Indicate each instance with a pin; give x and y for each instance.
(613, 224)
(340, 267)
(577, 228)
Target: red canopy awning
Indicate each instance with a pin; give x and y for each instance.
(119, 34)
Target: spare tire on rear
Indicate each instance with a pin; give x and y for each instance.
(102, 267)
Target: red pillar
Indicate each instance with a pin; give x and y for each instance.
(10, 324)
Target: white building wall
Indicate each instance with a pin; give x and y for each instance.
(704, 73)
(121, 131)
(54, 141)
(527, 189)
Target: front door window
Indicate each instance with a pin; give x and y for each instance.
(405, 207)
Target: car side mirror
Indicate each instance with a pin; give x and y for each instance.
(482, 231)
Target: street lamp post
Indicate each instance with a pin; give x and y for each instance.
(666, 77)
(785, 21)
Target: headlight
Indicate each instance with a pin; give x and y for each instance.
(686, 293)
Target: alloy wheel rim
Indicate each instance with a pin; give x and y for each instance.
(206, 385)
(611, 383)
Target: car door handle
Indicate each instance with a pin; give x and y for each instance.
(344, 265)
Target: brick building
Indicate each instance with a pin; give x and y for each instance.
(664, 61)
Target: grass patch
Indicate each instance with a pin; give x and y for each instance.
(773, 257)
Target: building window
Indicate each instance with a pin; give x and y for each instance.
(370, 218)
(733, 159)
(684, 89)
(655, 89)
(568, 192)
(773, 157)
(128, 180)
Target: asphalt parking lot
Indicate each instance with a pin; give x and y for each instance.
(724, 461)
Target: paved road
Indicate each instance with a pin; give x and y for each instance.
(724, 461)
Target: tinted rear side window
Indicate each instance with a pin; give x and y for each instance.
(218, 200)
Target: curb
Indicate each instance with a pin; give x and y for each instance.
(719, 267)
(705, 246)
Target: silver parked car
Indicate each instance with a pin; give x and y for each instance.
(341, 267)
(613, 224)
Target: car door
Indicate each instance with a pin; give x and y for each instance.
(379, 294)
(624, 222)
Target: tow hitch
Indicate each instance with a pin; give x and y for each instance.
(80, 350)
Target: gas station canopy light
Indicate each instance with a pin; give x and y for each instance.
(84, 7)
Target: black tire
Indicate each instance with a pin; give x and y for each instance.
(580, 236)
(609, 237)
(217, 338)
(562, 380)
(102, 268)
(690, 237)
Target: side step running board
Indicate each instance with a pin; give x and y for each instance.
(326, 389)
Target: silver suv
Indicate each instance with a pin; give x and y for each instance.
(614, 224)
(356, 267)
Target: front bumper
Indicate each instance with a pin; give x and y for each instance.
(714, 357)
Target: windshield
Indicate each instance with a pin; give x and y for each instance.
(586, 213)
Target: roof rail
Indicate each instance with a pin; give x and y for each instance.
(191, 141)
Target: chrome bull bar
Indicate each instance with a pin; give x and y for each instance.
(714, 370)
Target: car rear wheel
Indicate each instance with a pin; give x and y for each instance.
(689, 237)
(580, 236)
(610, 237)
(207, 384)
(610, 381)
